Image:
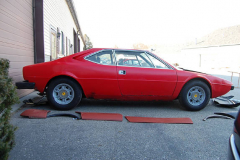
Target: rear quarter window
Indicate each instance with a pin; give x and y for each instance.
(102, 57)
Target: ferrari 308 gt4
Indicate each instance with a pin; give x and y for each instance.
(119, 74)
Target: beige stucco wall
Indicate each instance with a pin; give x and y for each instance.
(16, 38)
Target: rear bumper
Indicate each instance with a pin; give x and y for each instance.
(232, 87)
(25, 85)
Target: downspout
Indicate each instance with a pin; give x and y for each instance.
(38, 31)
(34, 33)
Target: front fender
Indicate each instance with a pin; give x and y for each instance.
(185, 77)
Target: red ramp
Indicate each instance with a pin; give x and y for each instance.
(101, 116)
(35, 113)
(159, 120)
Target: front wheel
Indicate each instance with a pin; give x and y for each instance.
(64, 93)
(195, 95)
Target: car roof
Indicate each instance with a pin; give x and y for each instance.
(92, 50)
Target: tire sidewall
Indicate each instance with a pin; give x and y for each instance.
(77, 94)
(183, 95)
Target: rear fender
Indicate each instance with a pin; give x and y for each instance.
(65, 74)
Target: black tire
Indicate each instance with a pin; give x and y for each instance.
(60, 100)
(195, 95)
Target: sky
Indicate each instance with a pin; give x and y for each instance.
(162, 22)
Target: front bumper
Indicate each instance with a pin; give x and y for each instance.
(25, 85)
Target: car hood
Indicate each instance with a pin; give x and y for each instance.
(180, 68)
(186, 74)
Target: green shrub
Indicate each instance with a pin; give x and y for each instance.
(8, 97)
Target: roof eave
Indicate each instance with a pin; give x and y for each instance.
(74, 15)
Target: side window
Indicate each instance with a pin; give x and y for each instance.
(156, 62)
(132, 58)
(53, 44)
(144, 60)
(104, 57)
(126, 58)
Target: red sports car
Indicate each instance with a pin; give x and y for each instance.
(108, 74)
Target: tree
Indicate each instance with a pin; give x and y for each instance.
(88, 43)
(8, 97)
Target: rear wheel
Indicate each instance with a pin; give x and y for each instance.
(64, 93)
(195, 95)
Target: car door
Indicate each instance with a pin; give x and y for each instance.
(98, 75)
(142, 74)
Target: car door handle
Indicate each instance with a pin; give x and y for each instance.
(122, 72)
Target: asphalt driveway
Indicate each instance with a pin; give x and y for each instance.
(66, 138)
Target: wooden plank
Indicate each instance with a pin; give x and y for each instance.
(7, 45)
(11, 49)
(20, 36)
(16, 70)
(16, 58)
(14, 74)
(24, 6)
(10, 6)
(15, 65)
(25, 22)
(9, 24)
(21, 20)
(17, 79)
(15, 43)
(29, 2)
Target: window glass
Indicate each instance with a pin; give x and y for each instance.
(127, 58)
(67, 47)
(132, 58)
(104, 57)
(144, 60)
(63, 44)
(70, 47)
(156, 62)
(53, 45)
